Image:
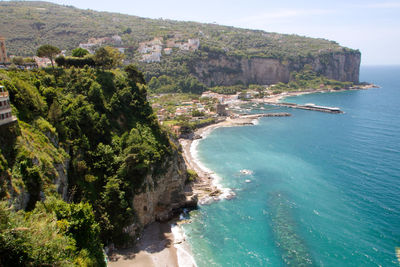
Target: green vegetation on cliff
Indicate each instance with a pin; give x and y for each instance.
(86, 136)
(309, 80)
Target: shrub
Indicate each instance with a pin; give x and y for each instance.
(191, 176)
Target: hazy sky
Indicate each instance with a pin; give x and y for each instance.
(371, 26)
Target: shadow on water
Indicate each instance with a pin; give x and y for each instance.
(292, 248)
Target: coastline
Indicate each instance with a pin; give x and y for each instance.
(155, 248)
(207, 185)
(165, 244)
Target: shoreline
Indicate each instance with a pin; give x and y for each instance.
(165, 244)
(155, 248)
(207, 185)
(279, 97)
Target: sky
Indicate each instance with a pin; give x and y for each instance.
(371, 26)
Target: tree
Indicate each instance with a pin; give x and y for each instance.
(17, 60)
(79, 52)
(108, 57)
(134, 74)
(48, 51)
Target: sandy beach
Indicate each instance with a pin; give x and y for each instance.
(206, 186)
(164, 244)
(156, 248)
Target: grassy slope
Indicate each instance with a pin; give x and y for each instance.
(30, 24)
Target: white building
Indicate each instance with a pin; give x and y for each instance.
(194, 43)
(153, 57)
(121, 49)
(167, 51)
(5, 108)
(117, 39)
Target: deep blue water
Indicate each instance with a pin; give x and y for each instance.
(325, 189)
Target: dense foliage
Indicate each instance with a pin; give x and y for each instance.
(97, 126)
(309, 80)
(30, 24)
(54, 233)
(168, 84)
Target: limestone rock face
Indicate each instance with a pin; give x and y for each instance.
(163, 195)
(229, 70)
(342, 67)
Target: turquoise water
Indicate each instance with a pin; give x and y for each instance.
(325, 189)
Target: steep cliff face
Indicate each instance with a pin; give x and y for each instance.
(344, 67)
(163, 195)
(228, 70)
(224, 70)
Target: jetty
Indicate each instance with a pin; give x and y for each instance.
(308, 106)
(259, 115)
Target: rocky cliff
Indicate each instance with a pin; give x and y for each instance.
(220, 69)
(164, 196)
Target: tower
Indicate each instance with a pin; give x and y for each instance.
(3, 51)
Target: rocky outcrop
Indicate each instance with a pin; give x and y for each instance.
(220, 69)
(164, 196)
(224, 70)
(344, 66)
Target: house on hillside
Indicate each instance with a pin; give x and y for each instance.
(5, 108)
(194, 44)
(167, 51)
(153, 57)
(42, 61)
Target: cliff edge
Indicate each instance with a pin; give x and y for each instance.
(220, 69)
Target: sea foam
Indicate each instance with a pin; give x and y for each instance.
(227, 193)
(185, 258)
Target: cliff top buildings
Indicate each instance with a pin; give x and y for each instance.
(5, 108)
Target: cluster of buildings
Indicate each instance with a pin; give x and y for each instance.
(94, 43)
(182, 109)
(187, 108)
(217, 105)
(224, 99)
(7, 61)
(152, 50)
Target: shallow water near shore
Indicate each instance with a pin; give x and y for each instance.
(324, 188)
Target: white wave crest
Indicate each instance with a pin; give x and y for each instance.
(246, 172)
(185, 258)
(227, 193)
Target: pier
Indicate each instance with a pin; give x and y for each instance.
(309, 106)
(259, 115)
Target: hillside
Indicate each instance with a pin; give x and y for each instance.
(215, 55)
(80, 165)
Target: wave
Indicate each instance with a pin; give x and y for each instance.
(246, 172)
(185, 258)
(227, 193)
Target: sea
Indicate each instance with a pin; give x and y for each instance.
(313, 189)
